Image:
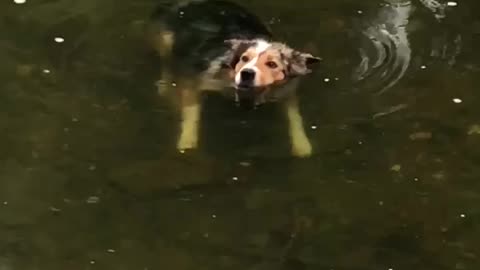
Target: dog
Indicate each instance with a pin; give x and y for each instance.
(219, 46)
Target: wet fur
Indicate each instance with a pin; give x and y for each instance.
(199, 53)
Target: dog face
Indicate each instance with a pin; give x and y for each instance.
(257, 66)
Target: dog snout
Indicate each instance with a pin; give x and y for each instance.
(247, 75)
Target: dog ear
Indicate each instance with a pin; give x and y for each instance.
(237, 48)
(301, 63)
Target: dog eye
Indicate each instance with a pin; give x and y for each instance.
(271, 64)
(245, 58)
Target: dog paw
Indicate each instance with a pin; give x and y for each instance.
(162, 87)
(187, 142)
(302, 149)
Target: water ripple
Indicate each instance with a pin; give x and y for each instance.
(385, 51)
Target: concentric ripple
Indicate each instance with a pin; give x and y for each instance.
(385, 52)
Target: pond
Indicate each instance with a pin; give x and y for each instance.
(90, 177)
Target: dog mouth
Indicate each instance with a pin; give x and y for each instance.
(244, 87)
(244, 90)
(248, 96)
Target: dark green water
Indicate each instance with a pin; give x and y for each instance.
(90, 178)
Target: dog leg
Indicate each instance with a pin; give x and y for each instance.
(301, 146)
(190, 112)
(163, 43)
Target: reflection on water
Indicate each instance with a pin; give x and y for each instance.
(389, 41)
(90, 179)
(386, 52)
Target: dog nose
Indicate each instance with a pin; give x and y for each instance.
(247, 75)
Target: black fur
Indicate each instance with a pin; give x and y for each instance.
(201, 28)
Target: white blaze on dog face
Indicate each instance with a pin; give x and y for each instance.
(258, 64)
(263, 62)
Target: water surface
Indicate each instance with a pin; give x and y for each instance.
(90, 178)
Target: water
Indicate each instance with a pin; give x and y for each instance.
(90, 179)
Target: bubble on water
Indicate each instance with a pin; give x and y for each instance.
(463, 215)
(59, 39)
(326, 79)
(314, 127)
(19, 1)
(111, 250)
(235, 178)
(423, 67)
(46, 71)
(452, 4)
(457, 100)
(245, 164)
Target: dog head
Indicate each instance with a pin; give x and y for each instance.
(258, 66)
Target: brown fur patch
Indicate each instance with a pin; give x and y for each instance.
(273, 65)
(271, 68)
